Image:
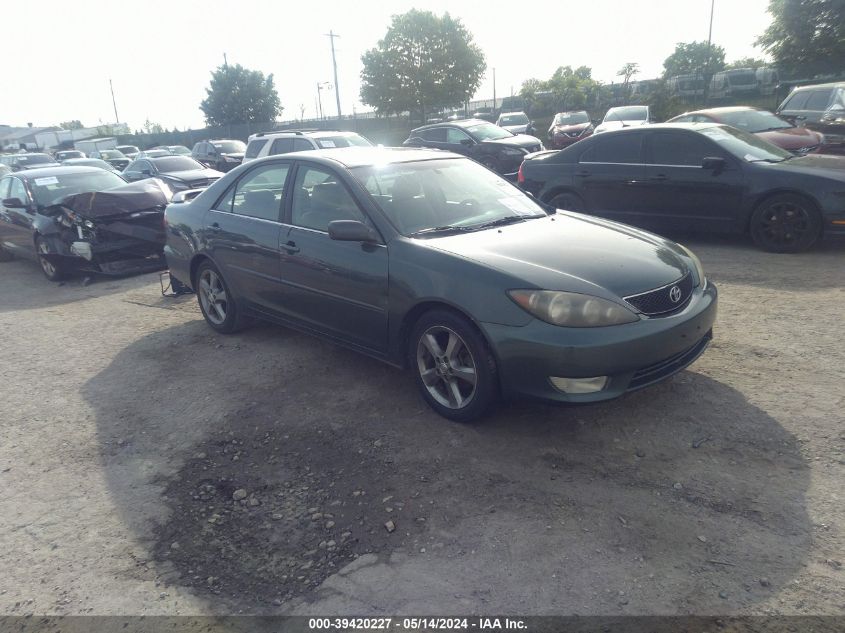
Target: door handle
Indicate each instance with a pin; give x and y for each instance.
(659, 177)
(291, 247)
(215, 227)
(582, 174)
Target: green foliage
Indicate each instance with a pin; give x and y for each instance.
(806, 37)
(423, 64)
(694, 57)
(239, 95)
(662, 104)
(153, 128)
(747, 62)
(569, 89)
(76, 124)
(627, 71)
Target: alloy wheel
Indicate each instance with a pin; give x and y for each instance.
(48, 268)
(213, 296)
(447, 367)
(784, 223)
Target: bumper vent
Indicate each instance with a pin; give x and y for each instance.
(665, 300)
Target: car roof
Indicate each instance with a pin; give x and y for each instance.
(41, 172)
(514, 112)
(364, 156)
(458, 123)
(834, 84)
(724, 110)
(308, 133)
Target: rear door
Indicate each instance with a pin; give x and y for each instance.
(17, 228)
(243, 229)
(334, 287)
(678, 192)
(608, 173)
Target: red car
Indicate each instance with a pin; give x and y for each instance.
(569, 127)
(798, 140)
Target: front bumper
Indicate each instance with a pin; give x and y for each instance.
(633, 356)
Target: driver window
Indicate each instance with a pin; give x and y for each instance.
(17, 190)
(4, 188)
(319, 198)
(677, 149)
(455, 136)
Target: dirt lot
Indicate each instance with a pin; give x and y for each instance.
(149, 466)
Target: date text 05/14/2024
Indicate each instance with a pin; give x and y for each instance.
(413, 624)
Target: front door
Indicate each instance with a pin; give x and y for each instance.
(335, 287)
(16, 223)
(243, 231)
(678, 192)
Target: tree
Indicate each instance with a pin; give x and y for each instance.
(747, 62)
(424, 63)
(570, 89)
(239, 95)
(628, 71)
(153, 128)
(806, 37)
(694, 57)
(76, 124)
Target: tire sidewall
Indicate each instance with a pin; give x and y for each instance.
(58, 272)
(231, 322)
(487, 383)
(807, 241)
(574, 203)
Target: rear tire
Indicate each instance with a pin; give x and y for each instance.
(567, 201)
(217, 303)
(453, 368)
(53, 272)
(786, 223)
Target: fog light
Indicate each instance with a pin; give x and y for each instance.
(82, 249)
(579, 385)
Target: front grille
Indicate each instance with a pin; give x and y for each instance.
(665, 300)
(672, 365)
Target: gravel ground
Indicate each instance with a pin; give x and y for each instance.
(150, 466)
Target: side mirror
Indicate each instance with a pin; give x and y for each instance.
(467, 141)
(713, 163)
(14, 203)
(351, 231)
(146, 172)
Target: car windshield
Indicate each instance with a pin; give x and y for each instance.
(229, 147)
(89, 162)
(112, 153)
(131, 149)
(48, 190)
(487, 132)
(748, 147)
(176, 163)
(35, 159)
(753, 120)
(513, 119)
(180, 150)
(349, 140)
(632, 113)
(442, 196)
(571, 118)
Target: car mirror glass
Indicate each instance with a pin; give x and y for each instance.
(14, 203)
(713, 163)
(351, 231)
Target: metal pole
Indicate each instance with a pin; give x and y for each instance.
(114, 103)
(494, 89)
(709, 46)
(320, 99)
(331, 35)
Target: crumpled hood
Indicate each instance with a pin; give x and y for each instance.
(238, 155)
(520, 140)
(573, 252)
(193, 174)
(144, 195)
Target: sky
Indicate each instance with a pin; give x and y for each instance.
(159, 54)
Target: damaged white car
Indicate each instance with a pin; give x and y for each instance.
(82, 219)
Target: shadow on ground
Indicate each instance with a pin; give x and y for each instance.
(272, 471)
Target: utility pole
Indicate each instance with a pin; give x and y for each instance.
(320, 99)
(225, 61)
(494, 90)
(113, 102)
(331, 35)
(709, 47)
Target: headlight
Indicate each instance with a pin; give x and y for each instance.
(701, 279)
(512, 152)
(571, 309)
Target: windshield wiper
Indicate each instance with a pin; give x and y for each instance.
(440, 229)
(508, 219)
(771, 160)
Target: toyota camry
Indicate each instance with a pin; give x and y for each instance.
(427, 260)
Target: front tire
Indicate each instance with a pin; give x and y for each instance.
(217, 303)
(453, 368)
(53, 272)
(786, 223)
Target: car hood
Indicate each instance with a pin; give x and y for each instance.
(824, 165)
(516, 129)
(193, 174)
(577, 127)
(618, 125)
(573, 252)
(520, 140)
(238, 155)
(36, 165)
(791, 138)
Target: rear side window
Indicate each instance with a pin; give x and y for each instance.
(301, 145)
(668, 148)
(619, 148)
(258, 194)
(796, 101)
(254, 148)
(818, 100)
(281, 146)
(436, 135)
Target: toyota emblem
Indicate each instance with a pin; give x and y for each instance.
(675, 294)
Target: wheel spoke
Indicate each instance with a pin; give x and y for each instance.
(455, 394)
(204, 285)
(221, 296)
(432, 345)
(221, 313)
(467, 374)
(453, 347)
(430, 377)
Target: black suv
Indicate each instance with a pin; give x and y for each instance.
(820, 108)
(222, 154)
(485, 142)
